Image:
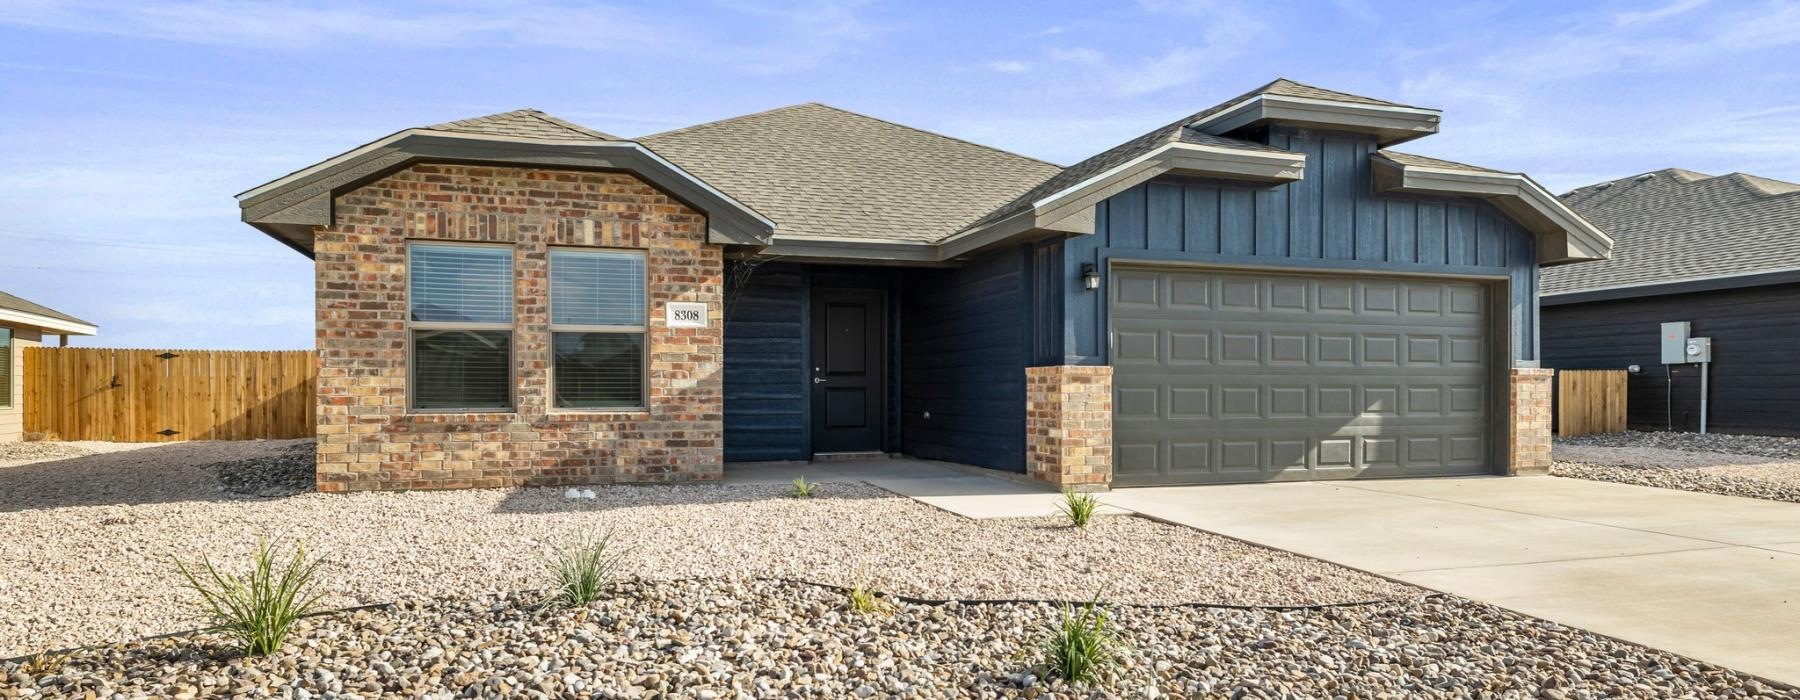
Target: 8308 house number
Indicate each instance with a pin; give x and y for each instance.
(686, 314)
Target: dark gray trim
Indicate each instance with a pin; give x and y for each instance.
(1709, 284)
(304, 200)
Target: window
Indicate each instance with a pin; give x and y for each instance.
(6, 367)
(462, 312)
(597, 329)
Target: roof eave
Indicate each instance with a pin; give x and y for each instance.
(1563, 235)
(1390, 124)
(302, 199)
(51, 324)
(1686, 285)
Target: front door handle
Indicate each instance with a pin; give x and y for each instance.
(818, 380)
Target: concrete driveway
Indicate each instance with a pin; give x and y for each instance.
(1712, 577)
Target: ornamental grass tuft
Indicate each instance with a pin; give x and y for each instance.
(1079, 508)
(1082, 647)
(581, 570)
(261, 607)
(804, 488)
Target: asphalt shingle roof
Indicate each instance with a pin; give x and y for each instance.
(13, 303)
(525, 123)
(1674, 224)
(818, 170)
(1429, 162)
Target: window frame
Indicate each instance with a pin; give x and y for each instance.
(512, 336)
(11, 369)
(643, 404)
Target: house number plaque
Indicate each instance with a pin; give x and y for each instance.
(686, 314)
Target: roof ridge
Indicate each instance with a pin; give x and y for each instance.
(937, 134)
(726, 120)
(531, 113)
(1765, 185)
(554, 120)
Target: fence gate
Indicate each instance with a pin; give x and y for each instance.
(167, 395)
(1590, 401)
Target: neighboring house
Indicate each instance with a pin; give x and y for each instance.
(24, 324)
(1722, 253)
(1259, 291)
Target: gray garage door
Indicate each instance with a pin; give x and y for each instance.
(1226, 377)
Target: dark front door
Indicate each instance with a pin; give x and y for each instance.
(847, 370)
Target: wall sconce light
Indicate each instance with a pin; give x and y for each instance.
(1090, 277)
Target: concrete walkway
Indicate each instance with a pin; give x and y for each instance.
(1712, 577)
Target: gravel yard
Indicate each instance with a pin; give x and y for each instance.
(737, 638)
(1731, 465)
(86, 543)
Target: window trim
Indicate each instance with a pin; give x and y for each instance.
(643, 405)
(9, 349)
(512, 336)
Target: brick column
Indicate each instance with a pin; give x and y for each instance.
(1530, 420)
(1068, 426)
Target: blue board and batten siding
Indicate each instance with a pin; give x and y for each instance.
(1329, 220)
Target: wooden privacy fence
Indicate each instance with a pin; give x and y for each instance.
(166, 395)
(1590, 401)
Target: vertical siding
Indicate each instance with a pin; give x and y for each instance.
(1330, 219)
(1755, 382)
(765, 367)
(964, 337)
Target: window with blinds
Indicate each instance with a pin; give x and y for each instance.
(6, 367)
(461, 316)
(597, 338)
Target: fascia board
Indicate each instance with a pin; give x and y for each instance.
(46, 323)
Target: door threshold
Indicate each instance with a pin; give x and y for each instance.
(847, 456)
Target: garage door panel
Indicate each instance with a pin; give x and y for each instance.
(1285, 377)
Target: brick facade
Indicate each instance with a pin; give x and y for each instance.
(368, 439)
(1529, 437)
(1068, 426)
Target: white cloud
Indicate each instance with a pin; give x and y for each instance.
(780, 36)
(1010, 67)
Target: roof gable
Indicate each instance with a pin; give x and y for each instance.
(523, 123)
(1675, 225)
(824, 172)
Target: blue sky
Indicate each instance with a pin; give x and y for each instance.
(127, 127)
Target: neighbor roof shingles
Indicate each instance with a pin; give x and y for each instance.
(13, 303)
(1673, 225)
(818, 170)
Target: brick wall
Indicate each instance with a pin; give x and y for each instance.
(1068, 426)
(1530, 435)
(367, 437)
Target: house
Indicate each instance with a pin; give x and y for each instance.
(1259, 291)
(23, 324)
(1721, 253)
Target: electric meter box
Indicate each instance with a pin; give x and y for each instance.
(1674, 343)
(1699, 350)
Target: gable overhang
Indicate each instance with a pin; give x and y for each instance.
(1563, 235)
(47, 324)
(1070, 211)
(291, 207)
(1390, 124)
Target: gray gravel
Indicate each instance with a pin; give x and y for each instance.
(23, 452)
(1782, 448)
(739, 638)
(287, 472)
(85, 544)
(1729, 465)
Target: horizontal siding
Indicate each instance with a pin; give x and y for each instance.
(1329, 220)
(12, 413)
(963, 343)
(1754, 377)
(765, 366)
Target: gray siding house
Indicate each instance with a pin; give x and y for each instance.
(1719, 252)
(1260, 291)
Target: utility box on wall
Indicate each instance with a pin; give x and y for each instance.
(1674, 343)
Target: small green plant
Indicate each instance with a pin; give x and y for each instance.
(44, 663)
(1078, 507)
(1083, 646)
(582, 569)
(867, 600)
(259, 608)
(804, 488)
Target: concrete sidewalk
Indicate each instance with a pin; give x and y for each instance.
(1712, 577)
